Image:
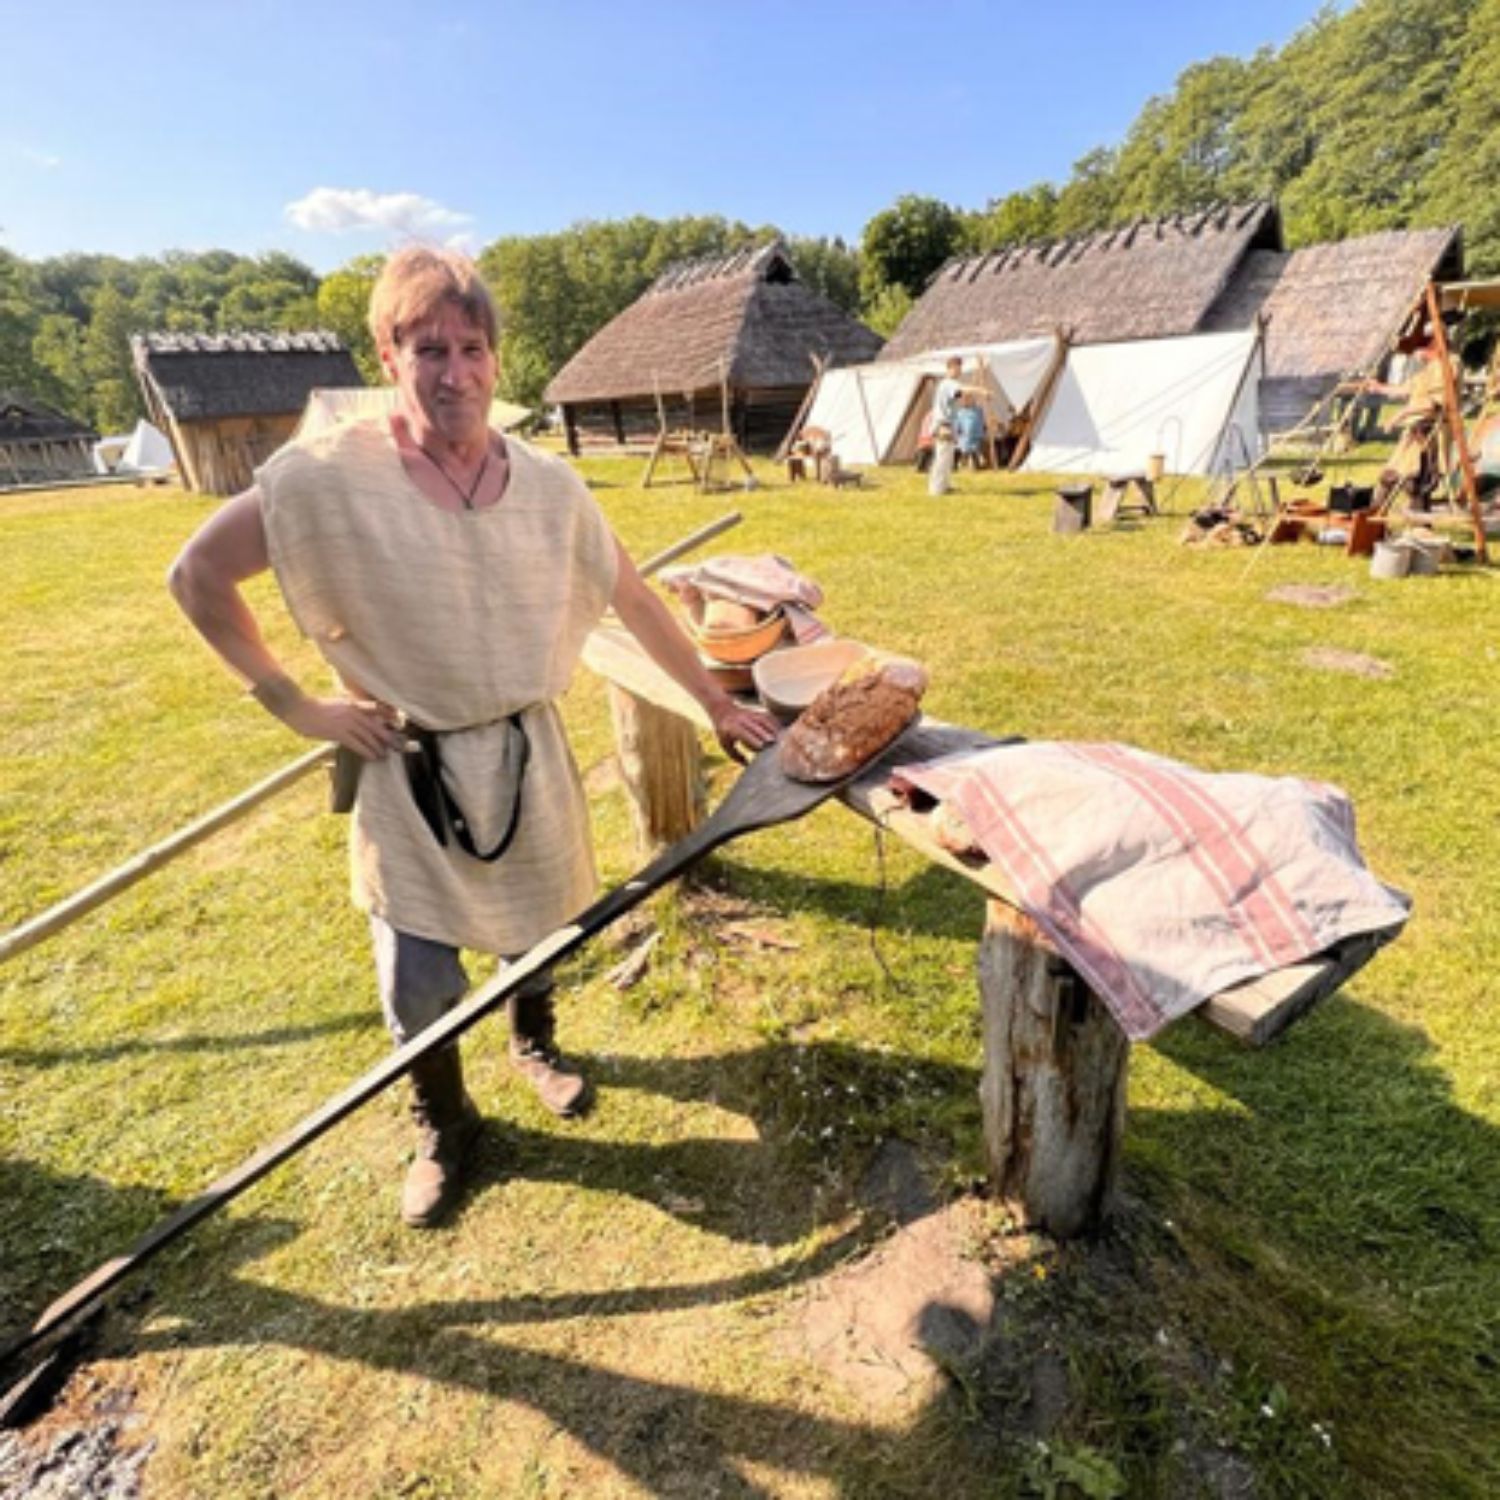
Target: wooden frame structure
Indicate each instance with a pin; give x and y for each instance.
(1052, 1092)
(701, 451)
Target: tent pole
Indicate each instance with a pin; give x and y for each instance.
(864, 406)
(1257, 348)
(819, 365)
(1456, 423)
(1043, 399)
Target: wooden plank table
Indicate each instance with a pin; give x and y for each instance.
(1053, 1122)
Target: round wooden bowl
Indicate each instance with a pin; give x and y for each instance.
(788, 680)
(742, 645)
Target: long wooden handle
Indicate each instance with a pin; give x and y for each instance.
(86, 1296)
(55, 918)
(32, 931)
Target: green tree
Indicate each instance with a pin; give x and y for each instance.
(1017, 218)
(1087, 201)
(904, 244)
(888, 309)
(1464, 185)
(114, 398)
(829, 267)
(57, 349)
(18, 324)
(343, 307)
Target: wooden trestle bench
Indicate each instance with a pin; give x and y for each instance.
(1052, 1090)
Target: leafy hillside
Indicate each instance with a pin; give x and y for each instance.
(1383, 116)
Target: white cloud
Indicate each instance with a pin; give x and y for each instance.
(337, 210)
(44, 161)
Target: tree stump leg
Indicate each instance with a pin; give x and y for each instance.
(661, 764)
(1053, 1090)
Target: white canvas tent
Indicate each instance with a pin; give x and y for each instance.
(1194, 400)
(144, 451)
(872, 412)
(356, 403)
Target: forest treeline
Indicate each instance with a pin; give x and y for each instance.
(1382, 116)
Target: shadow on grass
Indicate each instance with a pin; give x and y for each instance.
(1351, 1181)
(281, 1036)
(799, 1099)
(933, 903)
(658, 1431)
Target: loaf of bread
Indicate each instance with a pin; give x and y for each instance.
(851, 722)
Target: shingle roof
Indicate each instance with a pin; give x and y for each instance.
(1150, 279)
(204, 376)
(744, 314)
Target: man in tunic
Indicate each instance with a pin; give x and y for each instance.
(1421, 456)
(450, 576)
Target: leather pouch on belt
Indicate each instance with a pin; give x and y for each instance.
(343, 780)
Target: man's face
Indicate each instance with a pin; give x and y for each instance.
(445, 371)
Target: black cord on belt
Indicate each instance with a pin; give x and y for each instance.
(437, 804)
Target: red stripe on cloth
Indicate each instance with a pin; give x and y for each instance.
(1047, 898)
(1251, 896)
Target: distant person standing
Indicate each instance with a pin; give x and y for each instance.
(969, 430)
(1421, 456)
(946, 401)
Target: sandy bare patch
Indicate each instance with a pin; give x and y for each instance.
(887, 1326)
(1331, 659)
(1313, 595)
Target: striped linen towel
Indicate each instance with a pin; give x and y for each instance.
(1163, 885)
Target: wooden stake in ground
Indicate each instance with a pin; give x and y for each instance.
(1455, 417)
(1053, 1095)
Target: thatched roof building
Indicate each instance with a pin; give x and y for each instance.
(1330, 309)
(742, 322)
(229, 401)
(39, 444)
(1147, 280)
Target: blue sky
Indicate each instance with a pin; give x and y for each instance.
(328, 130)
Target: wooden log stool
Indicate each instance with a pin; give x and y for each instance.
(1074, 509)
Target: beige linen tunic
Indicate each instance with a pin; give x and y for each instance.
(457, 618)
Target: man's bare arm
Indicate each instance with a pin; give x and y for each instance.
(652, 624)
(226, 550)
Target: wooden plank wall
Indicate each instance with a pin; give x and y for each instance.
(36, 460)
(220, 458)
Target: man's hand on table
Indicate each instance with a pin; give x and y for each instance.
(739, 725)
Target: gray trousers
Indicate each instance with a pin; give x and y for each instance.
(420, 980)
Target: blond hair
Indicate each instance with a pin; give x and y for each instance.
(413, 285)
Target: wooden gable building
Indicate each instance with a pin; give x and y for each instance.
(227, 402)
(740, 326)
(1330, 310)
(39, 444)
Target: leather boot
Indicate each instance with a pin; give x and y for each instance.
(447, 1123)
(533, 1051)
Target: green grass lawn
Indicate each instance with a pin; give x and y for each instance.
(1302, 1293)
